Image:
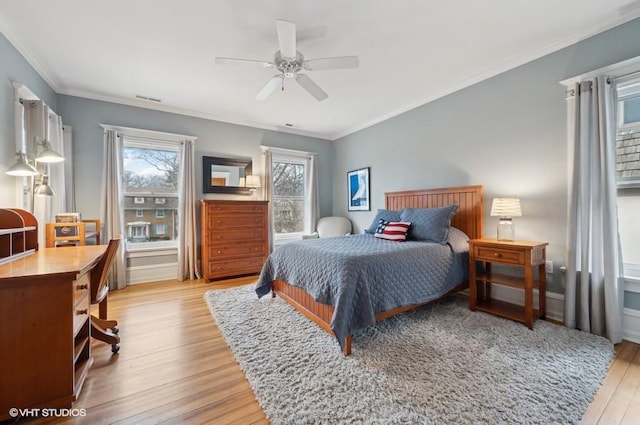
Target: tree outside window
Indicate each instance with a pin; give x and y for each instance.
(150, 172)
(288, 196)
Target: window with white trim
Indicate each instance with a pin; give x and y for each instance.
(628, 173)
(290, 200)
(139, 213)
(151, 170)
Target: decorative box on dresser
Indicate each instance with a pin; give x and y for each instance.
(234, 237)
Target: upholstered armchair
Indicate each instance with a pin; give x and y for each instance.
(330, 226)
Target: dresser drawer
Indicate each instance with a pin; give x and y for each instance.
(235, 267)
(234, 236)
(248, 221)
(236, 250)
(499, 255)
(242, 207)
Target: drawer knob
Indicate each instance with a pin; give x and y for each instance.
(496, 254)
(219, 251)
(82, 287)
(81, 312)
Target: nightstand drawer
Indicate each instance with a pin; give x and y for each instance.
(499, 255)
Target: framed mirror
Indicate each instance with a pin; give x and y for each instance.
(225, 175)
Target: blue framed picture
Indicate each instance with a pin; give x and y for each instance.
(359, 193)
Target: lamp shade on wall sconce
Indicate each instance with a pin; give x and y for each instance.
(22, 167)
(47, 154)
(43, 189)
(505, 209)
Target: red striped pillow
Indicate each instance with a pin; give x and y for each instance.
(392, 230)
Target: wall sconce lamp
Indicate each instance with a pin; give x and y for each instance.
(47, 154)
(505, 209)
(22, 168)
(43, 189)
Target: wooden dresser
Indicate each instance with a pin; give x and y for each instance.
(234, 237)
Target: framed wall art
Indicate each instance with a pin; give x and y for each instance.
(359, 191)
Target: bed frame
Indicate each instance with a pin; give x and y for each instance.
(468, 218)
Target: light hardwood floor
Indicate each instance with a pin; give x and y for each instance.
(174, 367)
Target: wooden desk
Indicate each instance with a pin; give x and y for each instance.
(45, 327)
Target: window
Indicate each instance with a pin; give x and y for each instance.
(290, 174)
(628, 173)
(150, 170)
(160, 229)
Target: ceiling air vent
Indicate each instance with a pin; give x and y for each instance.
(150, 99)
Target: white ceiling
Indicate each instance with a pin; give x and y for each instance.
(410, 51)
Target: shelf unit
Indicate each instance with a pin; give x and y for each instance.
(526, 255)
(18, 234)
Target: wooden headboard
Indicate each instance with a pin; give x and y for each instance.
(468, 218)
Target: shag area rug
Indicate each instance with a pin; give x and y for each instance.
(440, 364)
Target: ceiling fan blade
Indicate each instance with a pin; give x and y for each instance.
(235, 61)
(313, 89)
(271, 85)
(341, 62)
(287, 38)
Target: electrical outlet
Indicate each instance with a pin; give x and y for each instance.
(548, 267)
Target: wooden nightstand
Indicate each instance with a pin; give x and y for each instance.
(526, 255)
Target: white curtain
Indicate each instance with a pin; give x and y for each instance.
(312, 191)
(268, 192)
(187, 247)
(40, 124)
(112, 198)
(594, 284)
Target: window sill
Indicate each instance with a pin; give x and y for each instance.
(150, 250)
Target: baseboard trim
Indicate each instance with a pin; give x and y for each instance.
(631, 325)
(151, 273)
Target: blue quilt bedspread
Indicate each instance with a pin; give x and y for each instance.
(360, 275)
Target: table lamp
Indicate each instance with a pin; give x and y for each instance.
(505, 209)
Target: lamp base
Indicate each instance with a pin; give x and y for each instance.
(506, 231)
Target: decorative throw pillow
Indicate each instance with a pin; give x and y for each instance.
(388, 215)
(430, 224)
(392, 230)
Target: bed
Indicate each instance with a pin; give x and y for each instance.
(349, 282)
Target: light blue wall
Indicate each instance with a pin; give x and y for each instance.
(507, 133)
(214, 138)
(13, 67)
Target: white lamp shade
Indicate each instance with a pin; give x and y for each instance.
(44, 189)
(506, 207)
(48, 154)
(253, 181)
(22, 167)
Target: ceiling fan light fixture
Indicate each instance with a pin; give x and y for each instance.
(289, 62)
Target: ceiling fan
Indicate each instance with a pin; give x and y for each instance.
(289, 62)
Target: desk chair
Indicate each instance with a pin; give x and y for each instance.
(72, 233)
(99, 290)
